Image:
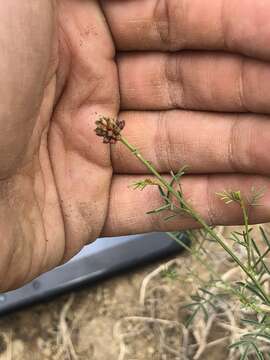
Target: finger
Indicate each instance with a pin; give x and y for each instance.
(235, 26)
(205, 142)
(127, 210)
(212, 81)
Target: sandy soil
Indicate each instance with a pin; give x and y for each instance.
(135, 316)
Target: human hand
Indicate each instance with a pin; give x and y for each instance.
(60, 186)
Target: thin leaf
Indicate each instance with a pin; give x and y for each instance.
(170, 217)
(163, 195)
(260, 261)
(207, 292)
(245, 354)
(196, 298)
(230, 196)
(237, 344)
(189, 306)
(261, 258)
(265, 237)
(256, 195)
(251, 322)
(258, 335)
(175, 178)
(258, 352)
(191, 318)
(158, 210)
(252, 289)
(206, 316)
(256, 247)
(243, 233)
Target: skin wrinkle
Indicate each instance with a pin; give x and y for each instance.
(47, 79)
(114, 213)
(159, 135)
(250, 155)
(63, 72)
(85, 101)
(4, 284)
(165, 143)
(41, 171)
(64, 211)
(36, 205)
(113, 218)
(241, 86)
(231, 145)
(106, 21)
(175, 81)
(18, 243)
(238, 165)
(207, 82)
(184, 6)
(54, 61)
(211, 216)
(156, 220)
(43, 147)
(224, 25)
(163, 26)
(60, 201)
(45, 252)
(164, 22)
(20, 159)
(28, 271)
(66, 48)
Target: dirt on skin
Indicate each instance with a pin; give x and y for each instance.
(135, 316)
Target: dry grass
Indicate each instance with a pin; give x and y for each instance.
(135, 316)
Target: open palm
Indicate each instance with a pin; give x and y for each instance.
(65, 62)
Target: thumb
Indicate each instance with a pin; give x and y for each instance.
(26, 30)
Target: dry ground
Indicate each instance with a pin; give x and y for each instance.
(135, 316)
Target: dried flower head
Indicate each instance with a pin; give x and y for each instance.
(110, 129)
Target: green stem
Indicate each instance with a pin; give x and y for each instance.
(195, 215)
(247, 237)
(195, 253)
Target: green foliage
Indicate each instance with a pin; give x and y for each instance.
(201, 302)
(250, 259)
(142, 184)
(230, 196)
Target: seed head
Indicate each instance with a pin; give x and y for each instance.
(110, 129)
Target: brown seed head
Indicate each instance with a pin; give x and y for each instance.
(110, 129)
